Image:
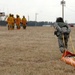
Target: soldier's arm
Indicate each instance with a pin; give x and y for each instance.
(69, 29)
(57, 27)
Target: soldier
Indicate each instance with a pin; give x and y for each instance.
(62, 32)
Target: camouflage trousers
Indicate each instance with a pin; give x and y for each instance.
(63, 42)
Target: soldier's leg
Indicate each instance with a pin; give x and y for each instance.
(61, 44)
(66, 36)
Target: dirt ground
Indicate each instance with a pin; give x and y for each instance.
(33, 51)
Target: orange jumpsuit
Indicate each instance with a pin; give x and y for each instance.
(13, 24)
(18, 21)
(24, 22)
(9, 21)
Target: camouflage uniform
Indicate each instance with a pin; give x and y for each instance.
(62, 32)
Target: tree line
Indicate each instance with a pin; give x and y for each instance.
(30, 23)
(41, 23)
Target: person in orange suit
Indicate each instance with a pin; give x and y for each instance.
(9, 21)
(13, 24)
(18, 21)
(24, 22)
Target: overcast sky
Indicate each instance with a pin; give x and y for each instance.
(48, 10)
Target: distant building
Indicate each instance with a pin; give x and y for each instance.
(2, 19)
(2, 14)
(47, 25)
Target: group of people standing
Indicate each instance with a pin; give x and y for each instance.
(12, 21)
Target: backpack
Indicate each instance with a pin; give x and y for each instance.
(63, 27)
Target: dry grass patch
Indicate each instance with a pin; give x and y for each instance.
(33, 51)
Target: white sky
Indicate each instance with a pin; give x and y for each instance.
(48, 10)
